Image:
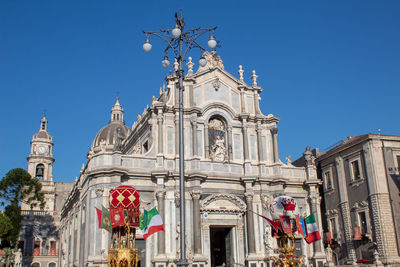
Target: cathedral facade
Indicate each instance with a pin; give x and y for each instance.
(232, 168)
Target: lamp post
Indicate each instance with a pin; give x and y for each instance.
(180, 42)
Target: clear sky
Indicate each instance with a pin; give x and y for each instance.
(328, 69)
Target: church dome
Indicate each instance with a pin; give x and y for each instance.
(108, 134)
(42, 134)
(110, 137)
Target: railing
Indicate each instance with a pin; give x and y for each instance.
(37, 213)
(37, 252)
(332, 146)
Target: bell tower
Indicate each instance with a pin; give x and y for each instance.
(40, 162)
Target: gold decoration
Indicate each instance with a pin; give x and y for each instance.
(122, 251)
(287, 244)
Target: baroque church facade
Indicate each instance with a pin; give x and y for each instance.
(232, 168)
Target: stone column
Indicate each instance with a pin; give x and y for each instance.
(176, 135)
(206, 144)
(194, 137)
(245, 140)
(196, 221)
(229, 136)
(256, 102)
(160, 120)
(243, 103)
(380, 202)
(250, 223)
(345, 210)
(259, 143)
(161, 235)
(274, 133)
(315, 204)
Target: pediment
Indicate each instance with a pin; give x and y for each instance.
(223, 203)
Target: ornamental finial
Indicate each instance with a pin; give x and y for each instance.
(190, 65)
(241, 71)
(254, 78)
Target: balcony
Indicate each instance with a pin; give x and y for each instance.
(38, 213)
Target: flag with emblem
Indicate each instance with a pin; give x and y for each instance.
(150, 223)
(285, 223)
(133, 217)
(105, 219)
(117, 217)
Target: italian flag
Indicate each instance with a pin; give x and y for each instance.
(150, 223)
(312, 230)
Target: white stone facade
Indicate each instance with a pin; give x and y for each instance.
(231, 168)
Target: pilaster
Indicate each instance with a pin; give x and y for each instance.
(274, 133)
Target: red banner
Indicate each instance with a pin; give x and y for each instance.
(357, 233)
(133, 217)
(285, 222)
(117, 217)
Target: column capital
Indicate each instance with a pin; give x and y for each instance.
(274, 130)
(193, 121)
(249, 197)
(160, 194)
(99, 192)
(196, 194)
(338, 160)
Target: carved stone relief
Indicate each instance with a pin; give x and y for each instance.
(222, 203)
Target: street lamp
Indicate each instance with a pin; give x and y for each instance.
(180, 42)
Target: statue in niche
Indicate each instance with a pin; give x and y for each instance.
(119, 137)
(218, 149)
(216, 131)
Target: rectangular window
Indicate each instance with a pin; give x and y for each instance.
(36, 248)
(333, 228)
(398, 163)
(355, 168)
(53, 248)
(362, 219)
(328, 180)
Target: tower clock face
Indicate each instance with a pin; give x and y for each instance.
(41, 149)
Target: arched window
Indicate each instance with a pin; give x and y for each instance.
(35, 264)
(52, 264)
(217, 139)
(39, 171)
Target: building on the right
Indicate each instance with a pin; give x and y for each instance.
(361, 199)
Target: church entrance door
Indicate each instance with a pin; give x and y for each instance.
(221, 246)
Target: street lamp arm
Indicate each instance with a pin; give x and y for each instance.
(191, 40)
(164, 37)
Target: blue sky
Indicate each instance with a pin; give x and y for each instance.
(328, 69)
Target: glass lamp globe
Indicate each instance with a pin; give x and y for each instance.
(147, 46)
(202, 61)
(176, 32)
(165, 62)
(212, 43)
